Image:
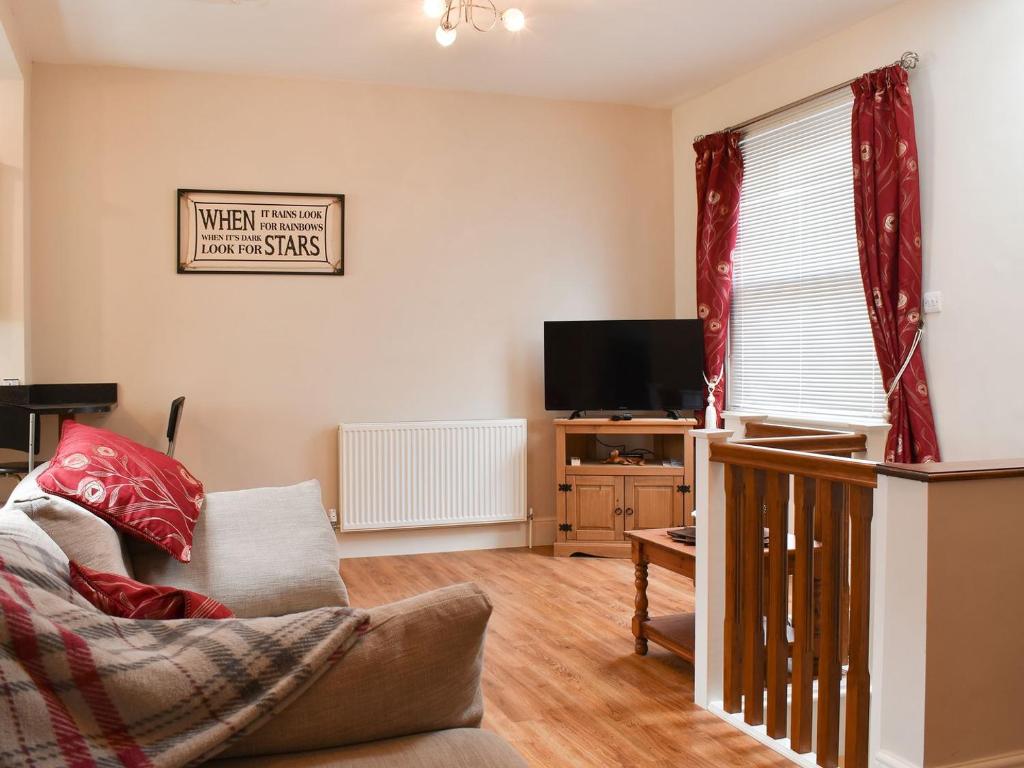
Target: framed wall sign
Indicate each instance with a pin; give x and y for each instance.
(269, 233)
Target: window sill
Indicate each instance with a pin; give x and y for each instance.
(823, 421)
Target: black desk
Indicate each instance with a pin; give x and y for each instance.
(61, 400)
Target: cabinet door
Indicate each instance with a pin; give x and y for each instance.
(594, 508)
(653, 502)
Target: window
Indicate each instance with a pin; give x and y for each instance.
(800, 340)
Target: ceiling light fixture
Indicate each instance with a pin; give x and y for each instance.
(451, 13)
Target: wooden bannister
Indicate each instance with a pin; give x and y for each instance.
(757, 429)
(815, 582)
(839, 444)
(791, 438)
(836, 469)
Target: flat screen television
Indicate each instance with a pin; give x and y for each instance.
(605, 365)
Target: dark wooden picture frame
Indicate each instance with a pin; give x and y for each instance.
(188, 233)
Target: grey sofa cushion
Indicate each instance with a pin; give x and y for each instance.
(261, 552)
(83, 536)
(454, 748)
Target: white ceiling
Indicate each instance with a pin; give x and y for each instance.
(649, 52)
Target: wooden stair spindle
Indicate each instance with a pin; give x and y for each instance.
(858, 681)
(844, 583)
(752, 607)
(732, 634)
(776, 498)
(829, 572)
(801, 738)
(831, 515)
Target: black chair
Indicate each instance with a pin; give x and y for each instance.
(16, 424)
(177, 406)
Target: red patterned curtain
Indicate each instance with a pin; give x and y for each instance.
(719, 167)
(887, 199)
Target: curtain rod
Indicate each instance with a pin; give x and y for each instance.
(908, 61)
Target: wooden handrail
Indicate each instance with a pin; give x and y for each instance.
(836, 469)
(835, 443)
(757, 429)
(955, 471)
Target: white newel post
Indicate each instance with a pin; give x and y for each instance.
(737, 421)
(709, 581)
(899, 594)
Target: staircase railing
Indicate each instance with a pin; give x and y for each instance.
(797, 608)
(792, 438)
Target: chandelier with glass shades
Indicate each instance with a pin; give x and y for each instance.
(482, 15)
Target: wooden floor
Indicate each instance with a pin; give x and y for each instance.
(561, 681)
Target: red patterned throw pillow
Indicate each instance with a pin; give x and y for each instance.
(126, 598)
(142, 492)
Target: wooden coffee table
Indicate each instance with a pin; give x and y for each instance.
(653, 546)
(674, 631)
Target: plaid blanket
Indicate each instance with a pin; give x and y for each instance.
(79, 688)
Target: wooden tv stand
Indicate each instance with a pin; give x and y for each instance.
(596, 503)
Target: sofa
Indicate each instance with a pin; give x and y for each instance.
(405, 693)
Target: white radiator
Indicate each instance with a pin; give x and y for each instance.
(429, 473)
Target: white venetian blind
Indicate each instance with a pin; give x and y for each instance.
(800, 341)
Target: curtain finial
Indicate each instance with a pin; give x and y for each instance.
(909, 60)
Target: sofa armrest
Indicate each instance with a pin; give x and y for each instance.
(417, 668)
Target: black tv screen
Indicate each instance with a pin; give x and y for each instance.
(609, 365)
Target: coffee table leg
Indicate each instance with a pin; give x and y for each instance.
(640, 616)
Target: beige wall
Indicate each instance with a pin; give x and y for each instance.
(967, 111)
(471, 219)
(975, 624)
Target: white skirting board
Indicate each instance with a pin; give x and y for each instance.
(885, 759)
(881, 758)
(448, 539)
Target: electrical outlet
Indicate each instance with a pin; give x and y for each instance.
(932, 302)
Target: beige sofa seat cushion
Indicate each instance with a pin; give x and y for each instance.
(455, 748)
(83, 536)
(260, 552)
(416, 669)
